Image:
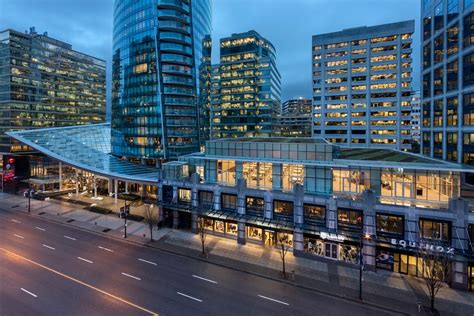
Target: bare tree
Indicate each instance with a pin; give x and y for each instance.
(436, 270)
(202, 235)
(150, 218)
(283, 244)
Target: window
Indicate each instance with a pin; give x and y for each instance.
(206, 199)
(426, 27)
(438, 49)
(226, 172)
(283, 209)
(255, 206)
(453, 9)
(438, 113)
(468, 3)
(291, 175)
(350, 219)
(438, 81)
(452, 40)
(452, 111)
(439, 17)
(184, 196)
(314, 213)
(427, 85)
(452, 76)
(468, 70)
(468, 36)
(427, 56)
(258, 174)
(468, 109)
(435, 230)
(390, 225)
(228, 202)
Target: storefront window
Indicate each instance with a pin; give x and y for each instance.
(470, 229)
(349, 219)
(254, 233)
(255, 206)
(219, 226)
(184, 196)
(226, 172)
(314, 213)
(258, 174)
(206, 199)
(291, 175)
(390, 224)
(348, 253)
(286, 238)
(231, 229)
(283, 209)
(471, 277)
(228, 202)
(435, 230)
(314, 246)
(208, 224)
(351, 180)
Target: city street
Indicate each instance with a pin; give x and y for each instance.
(49, 268)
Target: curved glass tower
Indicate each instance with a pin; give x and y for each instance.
(157, 47)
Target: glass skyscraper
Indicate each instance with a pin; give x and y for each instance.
(157, 47)
(245, 91)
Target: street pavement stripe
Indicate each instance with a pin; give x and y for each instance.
(15, 221)
(19, 236)
(146, 261)
(193, 298)
(26, 291)
(69, 237)
(80, 282)
(80, 258)
(204, 279)
(39, 228)
(106, 249)
(49, 247)
(273, 300)
(131, 276)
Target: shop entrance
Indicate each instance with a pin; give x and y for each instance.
(184, 220)
(270, 238)
(331, 250)
(168, 217)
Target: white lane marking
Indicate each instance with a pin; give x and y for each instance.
(69, 237)
(131, 276)
(80, 258)
(106, 249)
(15, 221)
(26, 291)
(42, 229)
(49, 247)
(274, 300)
(19, 236)
(193, 298)
(204, 279)
(146, 261)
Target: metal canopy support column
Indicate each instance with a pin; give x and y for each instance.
(60, 176)
(115, 190)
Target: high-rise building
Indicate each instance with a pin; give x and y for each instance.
(245, 94)
(362, 86)
(297, 106)
(447, 37)
(158, 46)
(204, 103)
(45, 83)
(416, 122)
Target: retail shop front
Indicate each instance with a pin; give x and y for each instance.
(268, 232)
(220, 223)
(336, 246)
(471, 276)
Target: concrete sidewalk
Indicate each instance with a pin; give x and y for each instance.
(391, 290)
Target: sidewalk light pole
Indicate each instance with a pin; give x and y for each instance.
(361, 260)
(29, 196)
(124, 212)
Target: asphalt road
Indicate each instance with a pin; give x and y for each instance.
(54, 269)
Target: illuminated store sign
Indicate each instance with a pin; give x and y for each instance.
(422, 245)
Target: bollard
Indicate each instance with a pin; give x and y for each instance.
(419, 306)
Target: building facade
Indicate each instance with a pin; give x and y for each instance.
(448, 80)
(246, 95)
(157, 47)
(416, 122)
(45, 83)
(204, 103)
(325, 201)
(362, 86)
(298, 106)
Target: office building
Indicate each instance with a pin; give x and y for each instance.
(45, 83)
(157, 50)
(246, 96)
(323, 199)
(362, 86)
(416, 122)
(448, 80)
(297, 106)
(204, 102)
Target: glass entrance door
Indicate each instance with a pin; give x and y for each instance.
(403, 264)
(269, 238)
(330, 250)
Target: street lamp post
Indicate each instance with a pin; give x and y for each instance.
(361, 261)
(29, 196)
